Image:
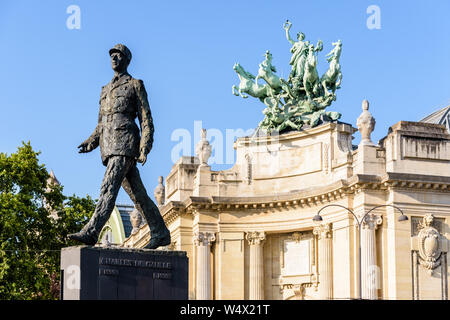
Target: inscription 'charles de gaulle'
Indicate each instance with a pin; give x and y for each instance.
(135, 263)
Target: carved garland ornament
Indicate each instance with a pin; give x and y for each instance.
(429, 244)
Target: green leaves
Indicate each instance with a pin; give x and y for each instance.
(35, 218)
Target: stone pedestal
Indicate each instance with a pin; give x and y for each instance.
(98, 273)
(202, 181)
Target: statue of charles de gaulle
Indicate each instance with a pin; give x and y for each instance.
(122, 145)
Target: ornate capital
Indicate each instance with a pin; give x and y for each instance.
(323, 231)
(204, 238)
(255, 237)
(372, 221)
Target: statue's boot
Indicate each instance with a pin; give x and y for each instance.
(83, 237)
(160, 235)
(156, 242)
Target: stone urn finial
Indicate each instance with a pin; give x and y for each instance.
(366, 124)
(160, 192)
(203, 149)
(136, 220)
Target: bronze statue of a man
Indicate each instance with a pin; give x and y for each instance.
(121, 101)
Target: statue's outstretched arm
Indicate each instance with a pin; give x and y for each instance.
(145, 121)
(319, 46)
(287, 26)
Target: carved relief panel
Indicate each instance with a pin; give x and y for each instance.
(292, 266)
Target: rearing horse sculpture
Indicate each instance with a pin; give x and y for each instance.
(266, 71)
(248, 85)
(310, 77)
(330, 77)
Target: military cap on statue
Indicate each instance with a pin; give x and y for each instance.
(122, 49)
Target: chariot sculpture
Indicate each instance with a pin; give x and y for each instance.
(299, 101)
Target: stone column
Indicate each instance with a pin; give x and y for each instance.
(323, 233)
(202, 241)
(369, 268)
(255, 240)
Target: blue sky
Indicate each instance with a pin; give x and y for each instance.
(184, 52)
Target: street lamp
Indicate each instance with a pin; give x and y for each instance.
(318, 218)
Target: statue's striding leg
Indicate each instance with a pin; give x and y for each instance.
(116, 170)
(135, 188)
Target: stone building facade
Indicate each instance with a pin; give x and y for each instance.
(249, 231)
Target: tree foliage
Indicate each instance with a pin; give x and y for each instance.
(30, 238)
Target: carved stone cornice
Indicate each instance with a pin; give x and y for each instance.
(203, 238)
(323, 231)
(309, 198)
(255, 237)
(372, 221)
(409, 181)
